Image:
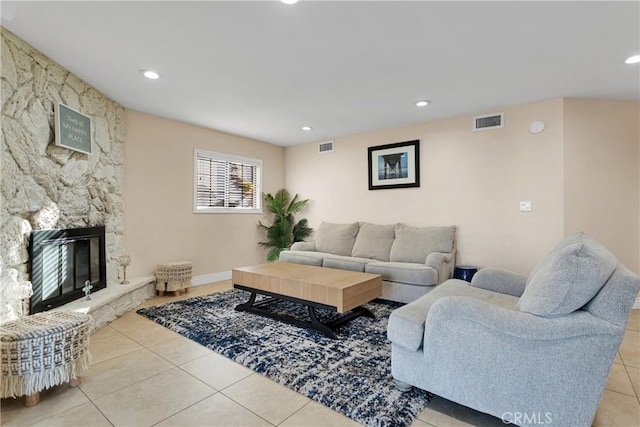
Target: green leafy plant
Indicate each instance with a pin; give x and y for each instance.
(284, 231)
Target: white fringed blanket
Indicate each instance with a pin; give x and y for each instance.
(43, 350)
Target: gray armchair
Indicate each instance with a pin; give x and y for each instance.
(529, 350)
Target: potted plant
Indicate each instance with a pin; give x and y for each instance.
(284, 231)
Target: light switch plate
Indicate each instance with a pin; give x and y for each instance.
(525, 206)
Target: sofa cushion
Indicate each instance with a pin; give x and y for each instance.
(336, 239)
(374, 241)
(303, 257)
(414, 244)
(345, 262)
(404, 272)
(567, 278)
(406, 324)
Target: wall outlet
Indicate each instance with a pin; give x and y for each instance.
(525, 206)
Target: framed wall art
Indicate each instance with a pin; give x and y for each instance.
(394, 165)
(73, 129)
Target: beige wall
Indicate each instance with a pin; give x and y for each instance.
(160, 223)
(474, 180)
(602, 185)
(581, 173)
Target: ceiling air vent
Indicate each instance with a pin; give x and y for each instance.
(325, 147)
(488, 121)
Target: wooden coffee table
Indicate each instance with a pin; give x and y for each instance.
(341, 291)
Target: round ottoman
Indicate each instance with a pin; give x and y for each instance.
(173, 277)
(43, 350)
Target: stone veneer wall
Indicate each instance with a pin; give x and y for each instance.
(44, 186)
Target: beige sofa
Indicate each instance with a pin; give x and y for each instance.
(411, 260)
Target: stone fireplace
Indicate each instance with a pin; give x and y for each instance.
(45, 187)
(66, 264)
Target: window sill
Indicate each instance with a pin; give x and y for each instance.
(227, 211)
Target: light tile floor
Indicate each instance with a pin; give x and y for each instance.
(145, 375)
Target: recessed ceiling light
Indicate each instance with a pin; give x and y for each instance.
(289, 1)
(151, 75)
(632, 59)
(422, 103)
(306, 128)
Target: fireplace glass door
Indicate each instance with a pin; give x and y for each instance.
(62, 263)
(68, 265)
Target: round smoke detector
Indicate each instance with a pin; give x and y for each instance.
(537, 126)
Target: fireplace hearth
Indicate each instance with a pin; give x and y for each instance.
(62, 261)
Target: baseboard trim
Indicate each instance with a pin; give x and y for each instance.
(210, 278)
(636, 305)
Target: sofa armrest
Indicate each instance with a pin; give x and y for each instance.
(502, 281)
(304, 246)
(443, 263)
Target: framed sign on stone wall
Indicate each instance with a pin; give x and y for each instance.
(74, 130)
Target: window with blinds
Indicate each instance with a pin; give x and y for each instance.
(225, 183)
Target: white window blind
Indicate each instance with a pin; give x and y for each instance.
(225, 183)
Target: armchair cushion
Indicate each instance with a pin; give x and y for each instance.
(374, 241)
(567, 278)
(406, 324)
(414, 244)
(337, 239)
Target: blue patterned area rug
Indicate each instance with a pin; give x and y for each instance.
(351, 375)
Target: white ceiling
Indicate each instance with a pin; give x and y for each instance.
(264, 69)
